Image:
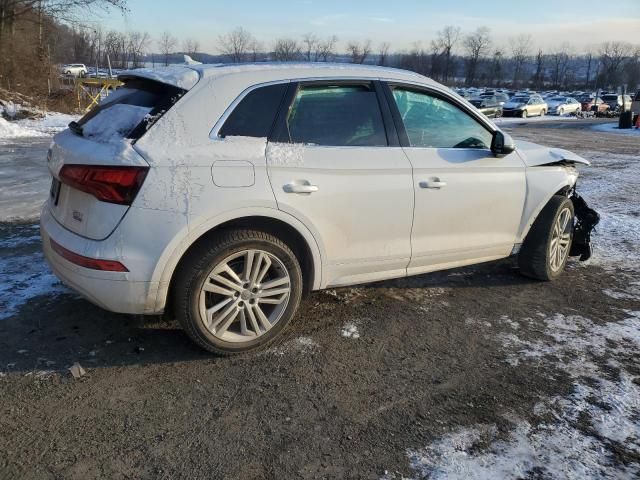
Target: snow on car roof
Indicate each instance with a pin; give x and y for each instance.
(186, 76)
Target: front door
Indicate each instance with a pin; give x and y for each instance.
(468, 203)
(335, 171)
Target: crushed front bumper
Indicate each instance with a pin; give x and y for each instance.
(586, 220)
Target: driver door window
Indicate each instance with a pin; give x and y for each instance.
(435, 123)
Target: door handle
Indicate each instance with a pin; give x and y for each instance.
(300, 188)
(437, 184)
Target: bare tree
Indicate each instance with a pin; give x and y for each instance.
(520, 48)
(445, 42)
(326, 49)
(236, 44)
(191, 47)
(476, 44)
(167, 44)
(613, 55)
(255, 49)
(497, 67)
(383, 53)
(416, 60)
(559, 64)
(538, 76)
(359, 52)
(310, 42)
(286, 50)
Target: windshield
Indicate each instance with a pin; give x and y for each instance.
(609, 97)
(558, 99)
(520, 99)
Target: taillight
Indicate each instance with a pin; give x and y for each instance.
(108, 184)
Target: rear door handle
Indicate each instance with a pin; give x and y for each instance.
(300, 188)
(437, 184)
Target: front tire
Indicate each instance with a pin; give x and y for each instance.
(238, 292)
(524, 114)
(546, 248)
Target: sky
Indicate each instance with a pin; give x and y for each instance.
(581, 23)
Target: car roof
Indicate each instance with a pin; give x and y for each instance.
(186, 76)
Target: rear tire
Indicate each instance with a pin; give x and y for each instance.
(546, 248)
(222, 295)
(542, 112)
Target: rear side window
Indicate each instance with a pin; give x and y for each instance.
(336, 115)
(128, 112)
(255, 114)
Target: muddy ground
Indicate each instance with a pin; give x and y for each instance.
(318, 404)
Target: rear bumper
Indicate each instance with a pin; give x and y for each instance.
(114, 291)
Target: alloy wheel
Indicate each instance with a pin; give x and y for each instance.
(560, 240)
(244, 296)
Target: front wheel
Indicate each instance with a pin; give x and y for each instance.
(238, 292)
(524, 114)
(545, 251)
(561, 112)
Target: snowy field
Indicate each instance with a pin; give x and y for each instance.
(592, 432)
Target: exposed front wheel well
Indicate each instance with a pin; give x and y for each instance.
(279, 229)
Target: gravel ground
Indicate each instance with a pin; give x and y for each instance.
(471, 373)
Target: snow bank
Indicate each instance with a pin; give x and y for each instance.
(594, 426)
(10, 130)
(46, 126)
(613, 128)
(50, 124)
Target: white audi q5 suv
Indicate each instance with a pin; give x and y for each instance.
(229, 192)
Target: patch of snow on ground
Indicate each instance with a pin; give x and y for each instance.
(505, 121)
(596, 431)
(297, 345)
(611, 185)
(24, 277)
(350, 330)
(613, 128)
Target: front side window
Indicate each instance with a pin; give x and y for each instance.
(336, 115)
(435, 123)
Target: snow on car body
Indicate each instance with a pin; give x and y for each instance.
(234, 189)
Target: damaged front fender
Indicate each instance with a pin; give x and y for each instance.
(586, 220)
(534, 155)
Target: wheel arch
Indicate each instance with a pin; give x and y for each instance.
(536, 201)
(275, 222)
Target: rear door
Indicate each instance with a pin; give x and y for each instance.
(468, 203)
(335, 165)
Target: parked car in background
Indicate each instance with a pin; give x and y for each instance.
(615, 101)
(525, 106)
(230, 208)
(489, 106)
(596, 105)
(74, 70)
(500, 97)
(563, 105)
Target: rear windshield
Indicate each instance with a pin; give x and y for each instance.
(610, 97)
(128, 112)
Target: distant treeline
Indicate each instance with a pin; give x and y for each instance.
(38, 35)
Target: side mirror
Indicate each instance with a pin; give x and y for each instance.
(502, 144)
